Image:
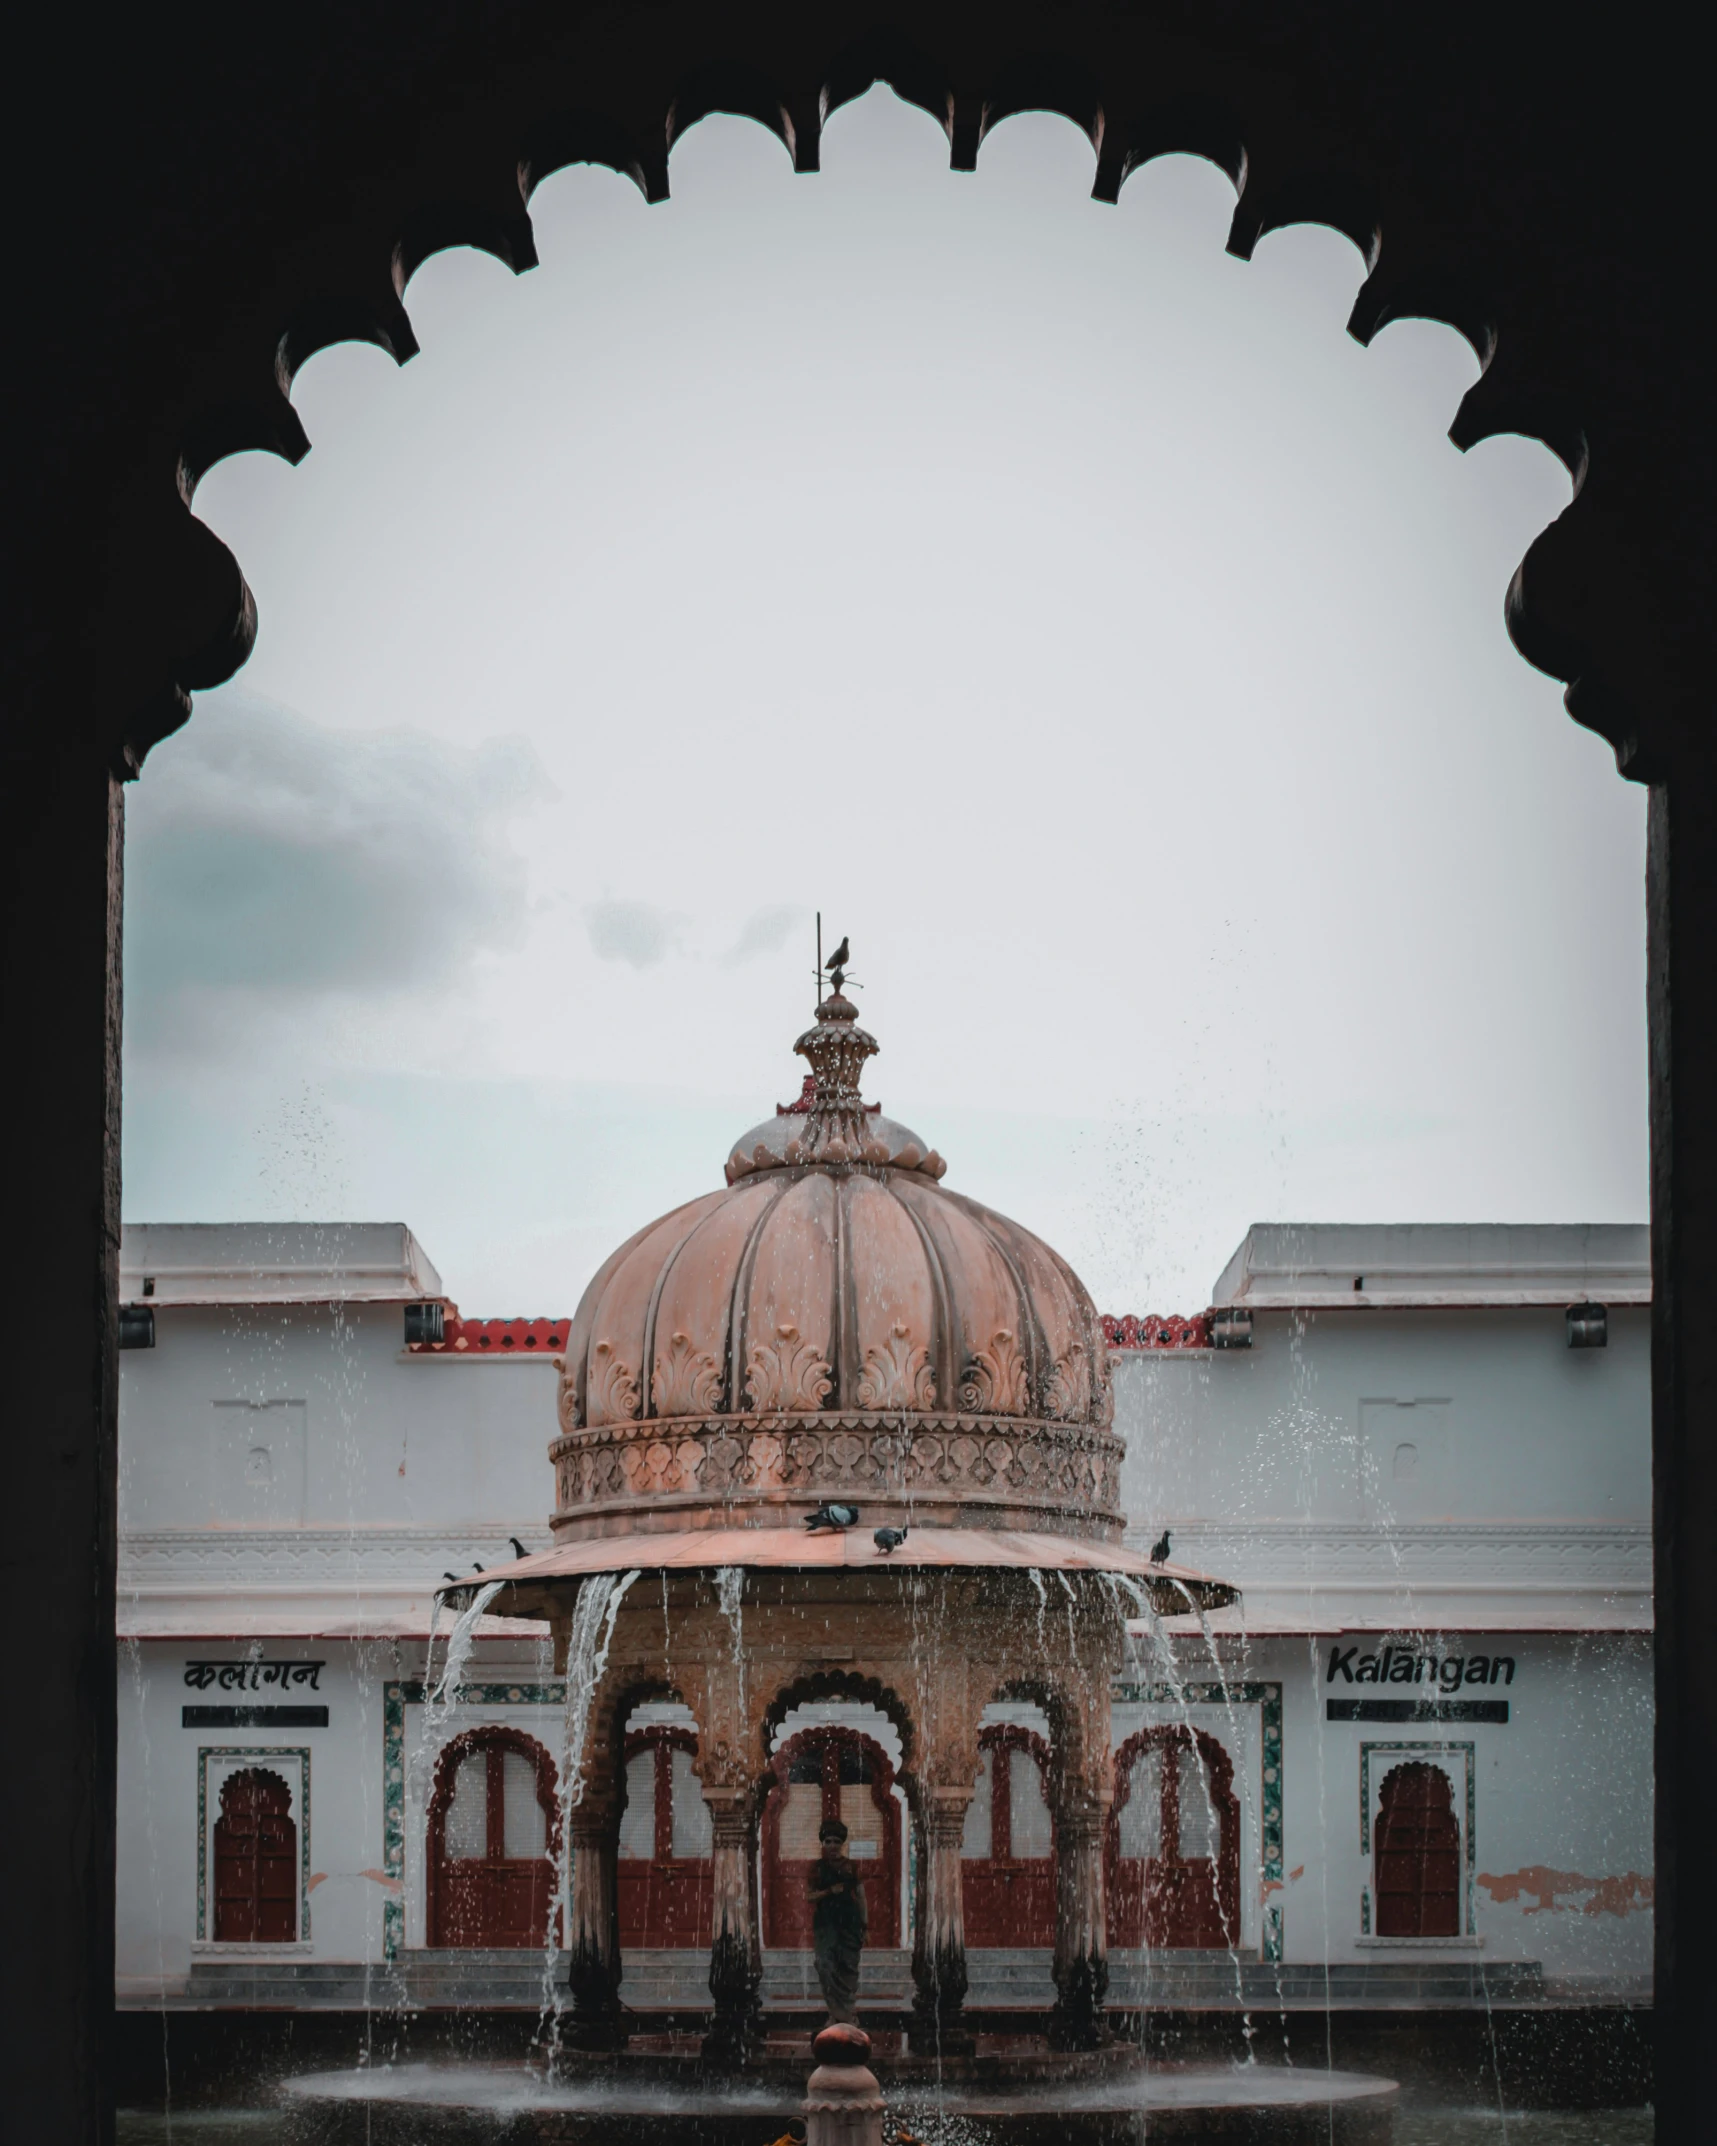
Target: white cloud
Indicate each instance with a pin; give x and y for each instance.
(270, 858)
(637, 933)
(765, 931)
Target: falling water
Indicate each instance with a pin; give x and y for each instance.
(440, 1700)
(592, 1634)
(1225, 1686)
(460, 1641)
(1175, 1678)
(1042, 1603)
(730, 1598)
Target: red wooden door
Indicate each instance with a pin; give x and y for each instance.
(1007, 1861)
(819, 1774)
(256, 1861)
(663, 1869)
(1418, 1852)
(492, 1828)
(1173, 1852)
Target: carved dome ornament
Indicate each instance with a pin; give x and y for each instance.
(833, 1327)
(834, 1322)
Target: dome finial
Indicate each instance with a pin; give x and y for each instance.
(837, 1049)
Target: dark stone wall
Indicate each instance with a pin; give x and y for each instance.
(202, 196)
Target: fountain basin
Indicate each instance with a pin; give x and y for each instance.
(1012, 2096)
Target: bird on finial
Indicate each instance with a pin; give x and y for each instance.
(837, 965)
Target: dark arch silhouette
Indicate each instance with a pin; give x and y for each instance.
(221, 203)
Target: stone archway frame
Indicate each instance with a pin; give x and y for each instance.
(254, 203)
(593, 1803)
(1076, 1702)
(849, 1687)
(452, 1755)
(1172, 1737)
(683, 1872)
(882, 1794)
(1000, 1739)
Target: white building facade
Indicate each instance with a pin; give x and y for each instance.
(1425, 1456)
(1413, 1769)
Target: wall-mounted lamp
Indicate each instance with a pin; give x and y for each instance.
(136, 1326)
(425, 1323)
(1231, 1327)
(1588, 1326)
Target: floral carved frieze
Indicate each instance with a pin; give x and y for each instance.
(687, 1380)
(897, 1375)
(1067, 1387)
(996, 1381)
(785, 1374)
(1058, 1469)
(614, 1392)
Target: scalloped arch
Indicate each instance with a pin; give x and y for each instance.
(793, 102)
(186, 197)
(850, 1684)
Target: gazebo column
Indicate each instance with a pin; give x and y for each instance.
(598, 2021)
(939, 1946)
(735, 1955)
(1081, 1967)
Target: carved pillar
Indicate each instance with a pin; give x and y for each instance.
(735, 1955)
(939, 1946)
(1081, 1931)
(593, 1941)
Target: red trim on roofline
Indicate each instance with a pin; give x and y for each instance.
(496, 1338)
(1153, 1330)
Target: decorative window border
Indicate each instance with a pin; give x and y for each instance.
(1466, 1751)
(277, 1754)
(396, 1697)
(1267, 1698)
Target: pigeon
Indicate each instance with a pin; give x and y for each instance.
(839, 958)
(475, 1567)
(1160, 1549)
(454, 1577)
(519, 1549)
(887, 1539)
(835, 1517)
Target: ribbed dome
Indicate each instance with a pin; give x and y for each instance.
(830, 1323)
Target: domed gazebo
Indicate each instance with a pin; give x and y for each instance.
(835, 1327)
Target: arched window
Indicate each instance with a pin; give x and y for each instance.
(492, 1835)
(664, 1868)
(1008, 1853)
(1417, 1845)
(1172, 1863)
(830, 1773)
(256, 1861)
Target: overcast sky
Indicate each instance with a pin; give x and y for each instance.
(1074, 615)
